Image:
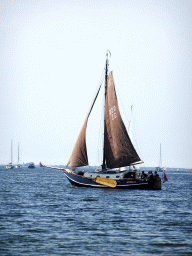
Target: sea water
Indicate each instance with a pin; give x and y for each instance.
(42, 214)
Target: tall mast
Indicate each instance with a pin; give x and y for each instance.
(11, 151)
(18, 152)
(106, 79)
(130, 119)
(160, 160)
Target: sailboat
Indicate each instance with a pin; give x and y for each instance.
(18, 164)
(10, 165)
(118, 151)
(160, 168)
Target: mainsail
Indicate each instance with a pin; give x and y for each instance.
(118, 148)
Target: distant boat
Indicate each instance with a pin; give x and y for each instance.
(31, 165)
(18, 164)
(118, 151)
(10, 165)
(160, 168)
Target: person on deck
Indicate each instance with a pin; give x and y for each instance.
(143, 175)
(156, 174)
(150, 175)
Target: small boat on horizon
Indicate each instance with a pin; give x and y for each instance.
(119, 155)
(31, 165)
(10, 165)
(18, 164)
(160, 168)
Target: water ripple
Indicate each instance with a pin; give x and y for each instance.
(42, 214)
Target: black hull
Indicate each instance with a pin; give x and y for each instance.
(81, 181)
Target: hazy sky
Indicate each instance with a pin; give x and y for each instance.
(52, 55)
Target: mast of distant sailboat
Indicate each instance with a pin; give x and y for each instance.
(160, 160)
(18, 154)
(11, 151)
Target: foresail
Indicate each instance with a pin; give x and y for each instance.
(79, 153)
(118, 148)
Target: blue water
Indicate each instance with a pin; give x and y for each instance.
(42, 214)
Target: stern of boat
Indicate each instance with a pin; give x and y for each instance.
(156, 184)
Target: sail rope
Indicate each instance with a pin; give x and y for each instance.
(98, 136)
(99, 84)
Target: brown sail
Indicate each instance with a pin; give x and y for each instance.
(118, 149)
(79, 153)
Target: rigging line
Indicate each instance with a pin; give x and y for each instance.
(91, 120)
(99, 85)
(96, 93)
(100, 137)
(135, 142)
(130, 119)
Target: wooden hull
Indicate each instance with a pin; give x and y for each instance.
(126, 183)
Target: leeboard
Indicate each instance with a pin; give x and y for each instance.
(107, 182)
